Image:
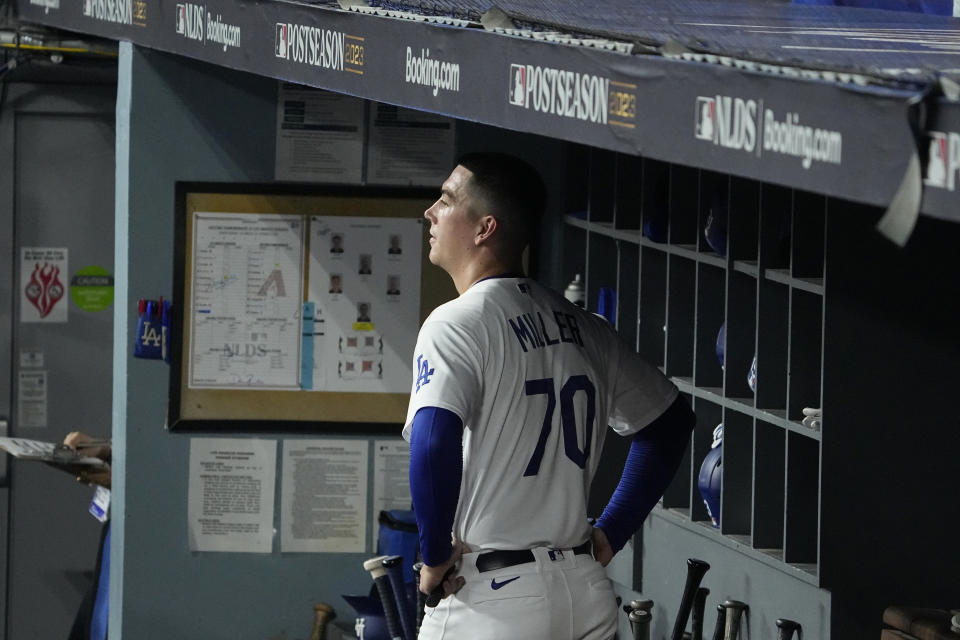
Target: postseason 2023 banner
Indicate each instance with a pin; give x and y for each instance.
(831, 138)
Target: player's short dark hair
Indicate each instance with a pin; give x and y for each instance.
(511, 190)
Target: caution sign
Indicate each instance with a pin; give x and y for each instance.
(91, 288)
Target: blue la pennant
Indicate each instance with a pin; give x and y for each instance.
(424, 372)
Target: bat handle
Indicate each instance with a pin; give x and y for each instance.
(695, 572)
(390, 613)
(421, 597)
(721, 622)
(438, 591)
(786, 628)
(644, 625)
(394, 568)
(638, 605)
(640, 624)
(735, 609)
(322, 614)
(699, 602)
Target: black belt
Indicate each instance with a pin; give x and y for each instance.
(493, 560)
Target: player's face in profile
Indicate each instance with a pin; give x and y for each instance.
(452, 223)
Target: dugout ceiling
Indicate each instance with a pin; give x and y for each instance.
(846, 103)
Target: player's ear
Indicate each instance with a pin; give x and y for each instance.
(486, 227)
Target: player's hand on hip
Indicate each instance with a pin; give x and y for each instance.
(602, 551)
(430, 577)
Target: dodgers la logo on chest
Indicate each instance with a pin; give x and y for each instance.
(424, 372)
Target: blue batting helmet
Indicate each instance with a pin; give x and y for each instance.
(711, 475)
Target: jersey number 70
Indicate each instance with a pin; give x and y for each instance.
(568, 419)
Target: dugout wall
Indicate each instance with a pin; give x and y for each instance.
(854, 516)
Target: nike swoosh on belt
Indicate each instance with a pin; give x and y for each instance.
(498, 585)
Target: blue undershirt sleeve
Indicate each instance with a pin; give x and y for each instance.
(654, 457)
(436, 469)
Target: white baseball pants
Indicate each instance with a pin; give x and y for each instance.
(559, 596)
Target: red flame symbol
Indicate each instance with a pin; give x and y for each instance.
(44, 288)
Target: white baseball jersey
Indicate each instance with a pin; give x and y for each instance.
(534, 379)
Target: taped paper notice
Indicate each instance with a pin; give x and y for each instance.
(324, 496)
(230, 498)
(31, 358)
(409, 147)
(364, 281)
(319, 136)
(32, 399)
(43, 284)
(391, 478)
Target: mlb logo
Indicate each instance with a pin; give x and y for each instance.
(706, 118)
(182, 19)
(518, 85)
(281, 48)
(938, 160)
(88, 7)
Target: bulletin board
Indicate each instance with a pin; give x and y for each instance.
(298, 311)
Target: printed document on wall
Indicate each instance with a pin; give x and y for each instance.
(32, 398)
(364, 279)
(43, 284)
(246, 298)
(319, 135)
(409, 147)
(230, 497)
(391, 478)
(324, 496)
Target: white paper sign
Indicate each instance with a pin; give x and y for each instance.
(391, 478)
(32, 399)
(409, 147)
(365, 280)
(319, 135)
(324, 496)
(43, 280)
(246, 300)
(230, 501)
(31, 358)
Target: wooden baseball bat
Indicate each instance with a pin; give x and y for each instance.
(699, 602)
(786, 628)
(721, 619)
(421, 597)
(435, 596)
(394, 568)
(322, 614)
(379, 575)
(695, 571)
(735, 610)
(640, 624)
(638, 605)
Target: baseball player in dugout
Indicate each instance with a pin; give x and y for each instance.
(513, 389)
